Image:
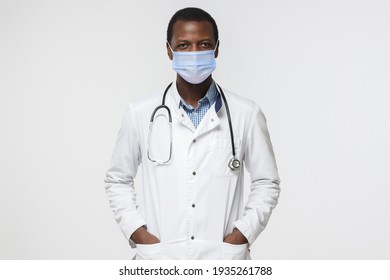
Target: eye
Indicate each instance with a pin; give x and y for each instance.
(182, 46)
(206, 45)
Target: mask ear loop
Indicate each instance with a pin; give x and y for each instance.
(216, 45)
(169, 45)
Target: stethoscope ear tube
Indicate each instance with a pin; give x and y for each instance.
(162, 106)
(165, 94)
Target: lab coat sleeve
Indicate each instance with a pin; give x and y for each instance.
(260, 162)
(119, 182)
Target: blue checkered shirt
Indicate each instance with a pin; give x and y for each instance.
(196, 114)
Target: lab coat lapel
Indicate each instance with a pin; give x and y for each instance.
(178, 113)
(209, 122)
(184, 119)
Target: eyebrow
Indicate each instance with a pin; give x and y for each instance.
(188, 41)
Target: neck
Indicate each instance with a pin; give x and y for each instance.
(191, 93)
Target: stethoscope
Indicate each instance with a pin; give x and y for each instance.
(234, 163)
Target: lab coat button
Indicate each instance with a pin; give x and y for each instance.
(192, 237)
(193, 205)
(194, 141)
(194, 173)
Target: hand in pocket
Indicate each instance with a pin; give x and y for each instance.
(235, 238)
(142, 236)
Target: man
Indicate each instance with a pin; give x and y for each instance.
(191, 203)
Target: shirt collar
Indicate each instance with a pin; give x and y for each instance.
(210, 96)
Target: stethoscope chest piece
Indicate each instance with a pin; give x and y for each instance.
(234, 164)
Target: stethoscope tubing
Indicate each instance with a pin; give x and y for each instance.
(234, 163)
(229, 121)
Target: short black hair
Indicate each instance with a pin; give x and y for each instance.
(191, 14)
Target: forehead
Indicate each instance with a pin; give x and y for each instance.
(189, 29)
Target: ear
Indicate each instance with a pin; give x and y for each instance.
(169, 51)
(217, 49)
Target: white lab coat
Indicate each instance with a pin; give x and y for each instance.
(193, 202)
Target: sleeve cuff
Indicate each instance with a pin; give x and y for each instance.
(129, 228)
(245, 230)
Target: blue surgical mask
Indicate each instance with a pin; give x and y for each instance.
(194, 67)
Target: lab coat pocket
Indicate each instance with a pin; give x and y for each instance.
(220, 155)
(149, 252)
(234, 252)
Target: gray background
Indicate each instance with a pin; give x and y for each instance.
(319, 70)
